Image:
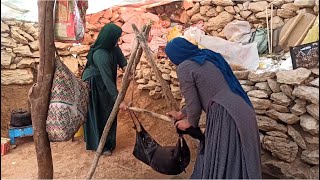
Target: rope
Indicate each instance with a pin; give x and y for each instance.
(133, 120)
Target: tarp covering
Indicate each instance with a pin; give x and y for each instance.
(27, 10)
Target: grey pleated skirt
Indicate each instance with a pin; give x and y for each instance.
(221, 156)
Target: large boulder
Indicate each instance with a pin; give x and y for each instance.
(279, 108)
(34, 45)
(23, 51)
(258, 6)
(315, 82)
(298, 109)
(198, 17)
(290, 6)
(4, 27)
(281, 148)
(30, 29)
(204, 9)
(281, 99)
(297, 76)
(62, 46)
(26, 62)
(223, 2)
(313, 172)
(286, 13)
(72, 63)
(17, 76)
(306, 92)
(261, 77)
(195, 9)
(79, 49)
(260, 104)
(267, 124)
(277, 22)
(220, 21)
(309, 124)
(6, 59)
(245, 14)
(283, 170)
(241, 75)
(262, 15)
(287, 90)
(305, 3)
(8, 42)
(313, 110)
(258, 94)
(212, 12)
(296, 136)
(310, 157)
(18, 37)
(287, 118)
(274, 85)
(264, 86)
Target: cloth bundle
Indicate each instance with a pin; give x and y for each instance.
(68, 104)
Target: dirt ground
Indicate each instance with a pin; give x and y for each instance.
(71, 160)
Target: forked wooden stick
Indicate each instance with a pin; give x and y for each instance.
(134, 57)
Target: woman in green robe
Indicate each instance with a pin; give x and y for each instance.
(104, 57)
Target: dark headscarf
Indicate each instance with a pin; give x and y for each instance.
(107, 39)
(179, 50)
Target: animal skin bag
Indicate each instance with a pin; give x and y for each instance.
(169, 160)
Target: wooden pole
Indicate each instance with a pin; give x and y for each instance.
(268, 33)
(134, 59)
(39, 94)
(153, 114)
(165, 87)
(271, 29)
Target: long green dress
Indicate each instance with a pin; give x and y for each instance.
(101, 73)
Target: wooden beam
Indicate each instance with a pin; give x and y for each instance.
(165, 87)
(291, 27)
(305, 32)
(134, 59)
(39, 94)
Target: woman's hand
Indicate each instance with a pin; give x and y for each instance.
(123, 106)
(124, 69)
(182, 125)
(177, 115)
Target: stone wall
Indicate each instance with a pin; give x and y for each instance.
(287, 108)
(19, 52)
(218, 13)
(286, 103)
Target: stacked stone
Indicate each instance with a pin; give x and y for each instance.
(287, 108)
(19, 52)
(218, 13)
(74, 57)
(147, 80)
